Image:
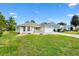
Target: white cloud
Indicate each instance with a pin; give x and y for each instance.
(12, 13)
(72, 4)
(70, 15)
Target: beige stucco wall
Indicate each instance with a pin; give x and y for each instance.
(21, 30)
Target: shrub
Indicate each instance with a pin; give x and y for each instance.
(58, 30)
(54, 30)
(71, 28)
(1, 32)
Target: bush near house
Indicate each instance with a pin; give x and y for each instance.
(1, 32)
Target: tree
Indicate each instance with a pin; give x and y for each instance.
(62, 23)
(32, 21)
(2, 24)
(11, 24)
(2, 21)
(44, 23)
(71, 28)
(26, 21)
(75, 21)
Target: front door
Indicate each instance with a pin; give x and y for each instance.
(28, 28)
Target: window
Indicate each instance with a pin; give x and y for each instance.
(23, 28)
(28, 28)
(37, 28)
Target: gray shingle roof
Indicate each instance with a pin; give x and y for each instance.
(30, 24)
(51, 24)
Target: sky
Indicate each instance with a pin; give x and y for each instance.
(40, 12)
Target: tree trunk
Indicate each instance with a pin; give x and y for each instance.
(75, 29)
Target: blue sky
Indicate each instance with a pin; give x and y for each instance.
(40, 12)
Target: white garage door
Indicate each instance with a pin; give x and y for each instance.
(48, 30)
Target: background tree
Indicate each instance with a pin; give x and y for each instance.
(11, 24)
(75, 21)
(26, 21)
(2, 24)
(44, 23)
(32, 21)
(62, 23)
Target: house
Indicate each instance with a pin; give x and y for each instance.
(27, 28)
(34, 28)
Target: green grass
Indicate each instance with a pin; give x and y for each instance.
(72, 32)
(38, 45)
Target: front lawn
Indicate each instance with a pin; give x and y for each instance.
(38, 45)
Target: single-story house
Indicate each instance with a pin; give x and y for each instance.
(27, 28)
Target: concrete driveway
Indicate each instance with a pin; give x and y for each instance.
(71, 35)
